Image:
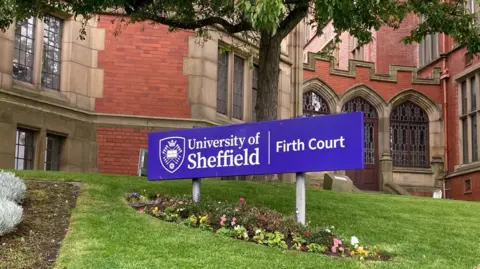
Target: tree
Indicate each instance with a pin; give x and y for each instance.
(270, 21)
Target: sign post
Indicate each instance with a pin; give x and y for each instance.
(300, 182)
(299, 145)
(196, 189)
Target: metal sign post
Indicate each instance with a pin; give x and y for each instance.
(300, 182)
(196, 189)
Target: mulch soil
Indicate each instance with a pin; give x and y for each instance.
(47, 209)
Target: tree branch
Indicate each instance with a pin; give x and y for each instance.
(210, 21)
(293, 18)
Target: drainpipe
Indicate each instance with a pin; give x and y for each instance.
(444, 77)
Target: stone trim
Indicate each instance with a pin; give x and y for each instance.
(465, 169)
(467, 72)
(392, 76)
(62, 108)
(419, 99)
(367, 93)
(412, 170)
(321, 88)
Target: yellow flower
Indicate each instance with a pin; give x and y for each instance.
(203, 219)
(352, 253)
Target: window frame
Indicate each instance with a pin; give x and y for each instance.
(39, 54)
(60, 140)
(468, 118)
(409, 124)
(429, 48)
(467, 188)
(246, 103)
(32, 147)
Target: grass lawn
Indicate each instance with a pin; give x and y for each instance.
(107, 233)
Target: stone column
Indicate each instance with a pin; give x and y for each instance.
(386, 170)
(201, 68)
(7, 144)
(437, 169)
(6, 61)
(40, 145)
(296, 41)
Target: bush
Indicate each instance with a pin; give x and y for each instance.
(11, 187)
(10, 216)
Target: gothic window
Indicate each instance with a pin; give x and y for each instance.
(409, 136)
(359, 104)
(314, 104)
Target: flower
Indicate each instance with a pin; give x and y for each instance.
(155, 211)
(242, 200)
(352, 253)
(180, 202)
(203, 219)
(334, 249)
(233, 221)
(337, 242)
(134, 194)
(341, 249)
(222, 220)
(308, 234)
(354, 241)
(141, 210)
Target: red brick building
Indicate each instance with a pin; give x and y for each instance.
(434, 79)
(91, 107)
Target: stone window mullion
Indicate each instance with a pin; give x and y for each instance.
(38, 56)
(469, 124)
(230, 84)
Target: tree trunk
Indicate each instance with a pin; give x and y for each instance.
(268, 74)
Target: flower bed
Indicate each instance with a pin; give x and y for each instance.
(254, 224)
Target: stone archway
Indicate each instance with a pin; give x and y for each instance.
(362, 98)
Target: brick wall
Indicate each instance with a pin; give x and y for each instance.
(457, 187)
(390, 50)
(143, 71)
(118, 149)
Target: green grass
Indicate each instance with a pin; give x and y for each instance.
(107, 233)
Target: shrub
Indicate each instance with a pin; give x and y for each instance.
(10, 216)
(11, 187)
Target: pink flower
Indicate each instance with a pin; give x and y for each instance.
(334, 249)
(222, 220)
(242, 200)
(180, 202)
(233, 221)
(336, 242)
(142, 210)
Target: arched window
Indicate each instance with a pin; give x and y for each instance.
(409, 136)
(359, 104)
(314, 104)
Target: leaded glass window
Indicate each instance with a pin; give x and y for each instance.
(254, 91)
(238, 69)
(409, 136)
(52, 50)
(359, 104)
(222, 82)
(314, 104)
(24, 50)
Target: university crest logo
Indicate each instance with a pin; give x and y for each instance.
(172, 153)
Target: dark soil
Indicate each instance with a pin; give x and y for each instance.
(35, 243)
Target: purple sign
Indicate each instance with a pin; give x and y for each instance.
(321, 143)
